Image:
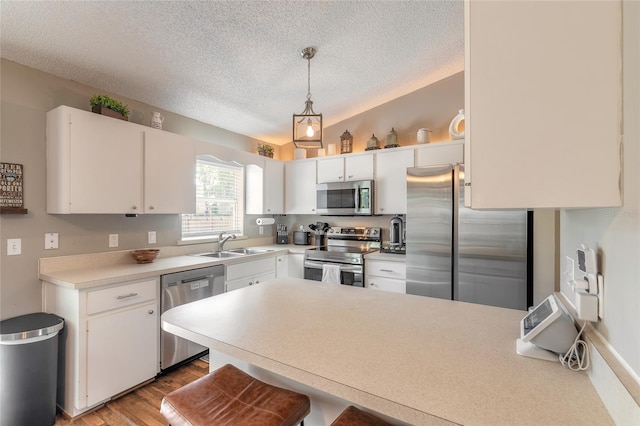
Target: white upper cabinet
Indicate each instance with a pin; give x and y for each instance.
(300, 187)
(391, 180)
(94, 163)
(542, 104)
(273, 187)
(331, 170)
(98, 164)
(433, 154)
(264, 188)
(169, 173)
(359, 167)
(348, 168)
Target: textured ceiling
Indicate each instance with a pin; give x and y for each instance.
(236, 64)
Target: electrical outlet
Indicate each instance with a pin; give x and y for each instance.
(569, 266)
(151, 237)
(113, 240)
(51, 241)
(14, 246)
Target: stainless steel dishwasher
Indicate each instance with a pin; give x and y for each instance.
(180, 288)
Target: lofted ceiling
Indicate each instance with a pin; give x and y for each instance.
(237, 64)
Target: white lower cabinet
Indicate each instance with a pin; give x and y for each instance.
(240, 275)
(290, 265)
(296, 265)
(386, 275)
(120, 350)
(112, 340)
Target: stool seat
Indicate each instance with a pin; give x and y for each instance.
(229, 396)
(352, 416)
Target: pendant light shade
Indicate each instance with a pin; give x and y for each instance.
(307, 126)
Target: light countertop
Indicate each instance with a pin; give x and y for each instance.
(81, 272)
(387, 257)
(418, 359)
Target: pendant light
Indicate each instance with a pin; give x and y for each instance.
(307, 126)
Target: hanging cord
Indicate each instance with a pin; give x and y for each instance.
(577, 357)
(308, 79)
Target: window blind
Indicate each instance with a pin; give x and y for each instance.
(219, 199)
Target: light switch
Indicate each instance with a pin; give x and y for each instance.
(14, 246)
(151, 237)
(113, 240)
(51, 241)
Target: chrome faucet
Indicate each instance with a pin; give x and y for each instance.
(221, 240)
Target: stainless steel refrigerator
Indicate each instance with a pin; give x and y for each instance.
(461, 254)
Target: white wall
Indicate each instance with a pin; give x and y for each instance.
(615, 232)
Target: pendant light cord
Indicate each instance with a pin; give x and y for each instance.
(309, 79)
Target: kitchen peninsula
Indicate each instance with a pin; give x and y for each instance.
(420, 360)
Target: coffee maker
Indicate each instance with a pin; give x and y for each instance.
(396, 232)
(396, 237)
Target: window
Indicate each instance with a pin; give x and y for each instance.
(219, 199)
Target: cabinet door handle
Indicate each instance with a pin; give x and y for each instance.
(151, 207)
(134, 208)
(150, 311)
(125, 296)
(386, 270)
(350, 177)
(257, 282)
(372, 284)
(340, 177)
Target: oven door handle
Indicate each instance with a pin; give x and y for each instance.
(343, 268)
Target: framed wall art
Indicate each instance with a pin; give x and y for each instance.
(12, 189)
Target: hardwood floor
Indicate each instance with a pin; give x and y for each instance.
(142, 406)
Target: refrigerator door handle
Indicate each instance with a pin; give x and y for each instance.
(458, 171)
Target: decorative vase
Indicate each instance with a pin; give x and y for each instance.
(454, 131)
(156, 120)
(372, 143)
(424, 136)
(392, 139)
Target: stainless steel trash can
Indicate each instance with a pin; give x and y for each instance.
(29, 369)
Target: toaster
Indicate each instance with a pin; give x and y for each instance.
(302, 238)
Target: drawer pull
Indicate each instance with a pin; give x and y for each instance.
(150, 311)
(387, 270)
(125, 296)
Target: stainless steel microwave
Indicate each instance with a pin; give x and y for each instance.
(345, 198)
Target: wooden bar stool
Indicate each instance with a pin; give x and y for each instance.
(229, 396)
(352, 416)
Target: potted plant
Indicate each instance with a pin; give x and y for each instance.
(103, 104)
(265, 150)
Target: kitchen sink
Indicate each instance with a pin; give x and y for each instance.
(219, 254)
(247, 251)
(233, 252)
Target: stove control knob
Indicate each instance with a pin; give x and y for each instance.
(374, 231)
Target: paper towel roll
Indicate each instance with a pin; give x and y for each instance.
(265, 221)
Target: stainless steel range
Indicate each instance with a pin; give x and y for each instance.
(345, 251)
